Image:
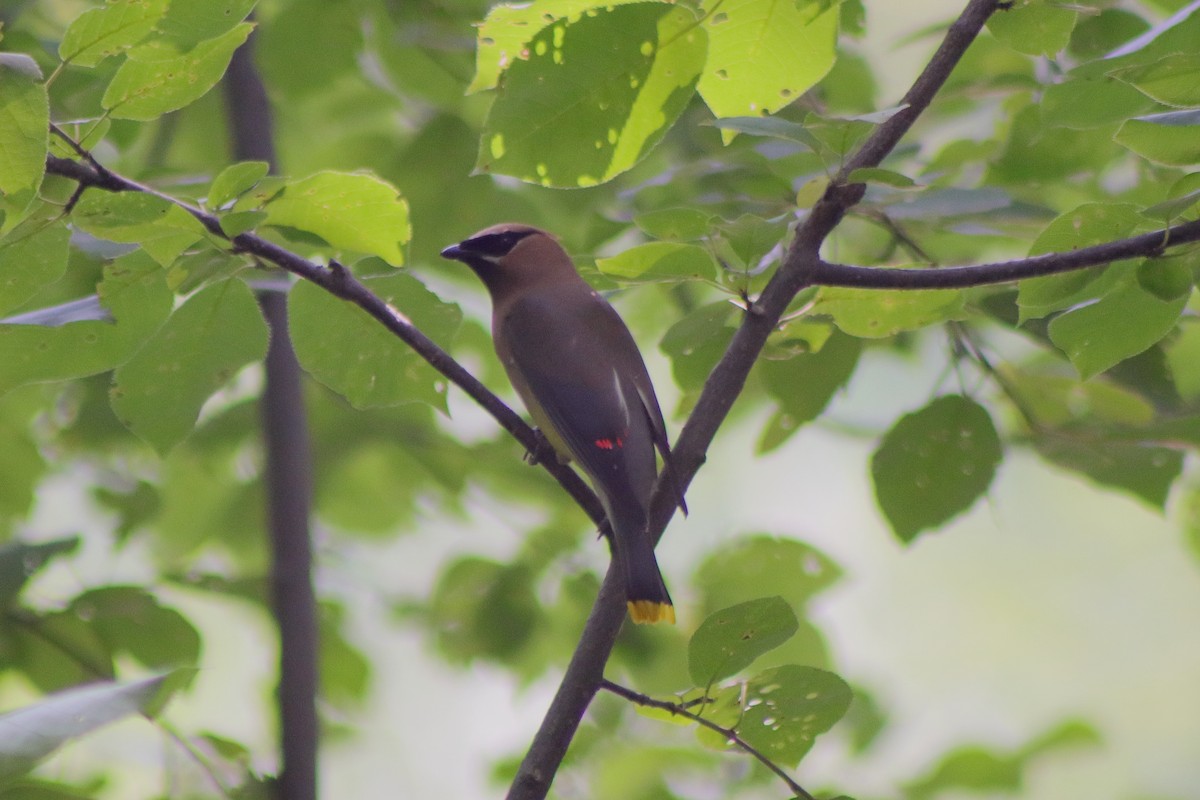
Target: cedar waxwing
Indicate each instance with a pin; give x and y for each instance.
(577, 369)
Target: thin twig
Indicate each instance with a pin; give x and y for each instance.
(899, 235)
(973, 348)
(729, 734)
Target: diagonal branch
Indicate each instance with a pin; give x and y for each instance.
(338, 281)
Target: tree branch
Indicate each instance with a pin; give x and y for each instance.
(728, 734)
(288, 473)
(823, 273)
(340, 282)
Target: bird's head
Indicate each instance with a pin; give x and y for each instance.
(512, 255)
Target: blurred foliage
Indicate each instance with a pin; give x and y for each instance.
(691, 135)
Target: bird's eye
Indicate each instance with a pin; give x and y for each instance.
(495, 244)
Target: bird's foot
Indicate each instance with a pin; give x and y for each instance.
(542, 451)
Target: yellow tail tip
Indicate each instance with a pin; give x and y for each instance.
(643, 611)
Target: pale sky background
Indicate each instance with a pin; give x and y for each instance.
(1050, 600)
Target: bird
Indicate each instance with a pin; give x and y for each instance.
(577, 369)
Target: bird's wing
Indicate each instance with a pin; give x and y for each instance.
(577, 376)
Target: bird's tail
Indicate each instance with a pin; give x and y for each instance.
(645, 592)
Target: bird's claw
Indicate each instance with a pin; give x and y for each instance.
(542, 450)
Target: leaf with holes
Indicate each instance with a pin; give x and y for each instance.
(729, 640)
(506, 31)
(156, 79)
(616, 77)
(934, 464)
(110, 29)
(788, 707)
(764, 54)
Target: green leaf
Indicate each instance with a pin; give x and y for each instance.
(19, 561)
(134, 291)
(614, 80)
(238, 222)
(1103, 32)
(357, 357)
(1172, 81)
(1086, 225)
(1167, 278)
(1144, 470)
(344, 669)
(110, 29)
(695, 342)
(132, 217)
(30, 734)
(158, 393)
(1183, 357)
(1181, 197)
(987, 772)
(804, 384)
(874, 314)
(1172, 138)
(934, 464)
(23, 468)
(130, 620)
(731, 639)
(1101, 334)
(764, 565)
(482, 608)
(660, 261)
(1090, 103)
(764, 54)
(1036, 28)
(936, 204)
(1058, 401)
(507, 30)
(356, 212)
(156, 79)
(24, 128)
(32, 256)
(882, 177)
(772, 127)
(786, 708)
(189, 22)
(676, 224)
(235, 180)
(1035, 155)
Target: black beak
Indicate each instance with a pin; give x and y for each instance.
(455, 253)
